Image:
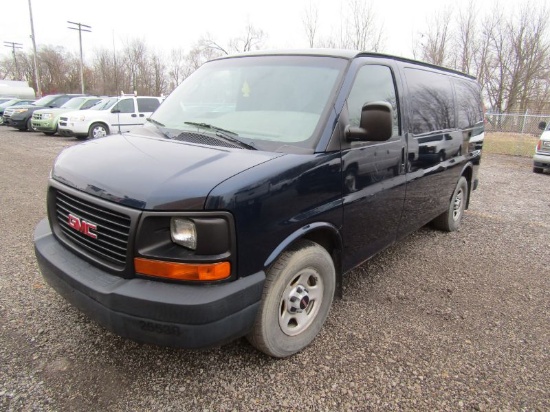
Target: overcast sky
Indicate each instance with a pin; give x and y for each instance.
(169, 24)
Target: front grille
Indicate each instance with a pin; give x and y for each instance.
(64, 119)
(112, 228)
(37, 116)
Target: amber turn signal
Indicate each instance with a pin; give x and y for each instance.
(183, 271)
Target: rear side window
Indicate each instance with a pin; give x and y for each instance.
(147, 104)
(431, 101)
(469, 105)
(125, 106)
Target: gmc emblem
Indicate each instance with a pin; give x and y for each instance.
(82, 226)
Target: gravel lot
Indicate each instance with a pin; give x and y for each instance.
(439, 321)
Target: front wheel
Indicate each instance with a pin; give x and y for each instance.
(450, 220)
(98, 130)
(30, 127)
(537, 170)
(296, 300)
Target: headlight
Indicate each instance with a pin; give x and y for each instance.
(183, 232)
(46, 116)
(19, 110)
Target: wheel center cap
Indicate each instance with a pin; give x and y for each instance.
(298, 300)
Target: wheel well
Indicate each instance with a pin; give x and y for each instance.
(332, 244)
(99, 123)
(467, 174)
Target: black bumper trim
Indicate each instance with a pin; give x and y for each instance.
(189, 316)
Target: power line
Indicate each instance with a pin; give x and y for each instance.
(80, 27)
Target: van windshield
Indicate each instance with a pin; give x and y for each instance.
(268, 101)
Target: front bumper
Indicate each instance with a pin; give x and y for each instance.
(18, 123)
(65, 132)
(148, 311)
(44, 125)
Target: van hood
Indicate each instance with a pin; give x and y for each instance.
(151, 173)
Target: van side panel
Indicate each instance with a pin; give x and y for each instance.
(438, 147)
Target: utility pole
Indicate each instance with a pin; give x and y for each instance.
(36, 71)
(80, 27)
(14, 46)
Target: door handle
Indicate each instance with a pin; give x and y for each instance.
(141, 115)
(134, 115)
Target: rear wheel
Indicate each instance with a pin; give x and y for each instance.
(450, 220)
(98, 130)
(297, 296)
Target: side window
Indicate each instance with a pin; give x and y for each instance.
(61, 101)
(147, 104)
(125, 106)
(89, 103)
(373, 83)
(431, 101)
(469, 105)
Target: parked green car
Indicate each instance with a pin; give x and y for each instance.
(46, 120)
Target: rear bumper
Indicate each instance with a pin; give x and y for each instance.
(540, 160)
(167, 314)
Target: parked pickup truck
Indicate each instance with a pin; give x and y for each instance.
(255, 186)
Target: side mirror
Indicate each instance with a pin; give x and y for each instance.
(542, 125)
(375, 124)
(115, 111)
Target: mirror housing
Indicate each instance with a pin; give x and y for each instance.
(542, 125)
(375, 124)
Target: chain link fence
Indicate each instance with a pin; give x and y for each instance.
(515, 123)
(513, 133)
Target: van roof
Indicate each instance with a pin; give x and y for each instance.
(341, 53)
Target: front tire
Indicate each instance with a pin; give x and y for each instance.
(537, 170)
(450, 220)
(30, 127)
(296, 300)
(98, 130)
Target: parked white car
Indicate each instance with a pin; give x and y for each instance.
(111, 115)
(541, 159)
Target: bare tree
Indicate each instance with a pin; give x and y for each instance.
(310, 21)
(176, 67)
(252, 39)
(435, 41)
(362, 32)
(359, 31)
(466, 44)
(159, 75)
(518, 59)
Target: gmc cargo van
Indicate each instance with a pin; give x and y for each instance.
(257, 184)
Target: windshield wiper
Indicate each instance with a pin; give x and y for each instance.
(227, 135)
(155, 122)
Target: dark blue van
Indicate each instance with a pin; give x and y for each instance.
(259, 182)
